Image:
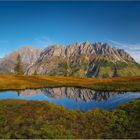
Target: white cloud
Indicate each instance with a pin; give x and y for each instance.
(132, 49)
(43, 41)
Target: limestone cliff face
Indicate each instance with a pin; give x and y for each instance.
(84, 60)
(28, 56)
(78, 59)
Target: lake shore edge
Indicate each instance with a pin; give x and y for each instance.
(19, 82)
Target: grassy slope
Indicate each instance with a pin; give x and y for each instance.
(123, 69)
(34, 119)
(122, 72)
(13, 82)
(129, 71)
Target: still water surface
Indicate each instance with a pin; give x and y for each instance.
(74, 98)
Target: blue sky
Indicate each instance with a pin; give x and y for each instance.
(40, 24)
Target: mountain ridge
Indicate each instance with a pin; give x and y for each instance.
(78, 59)
(84, 60)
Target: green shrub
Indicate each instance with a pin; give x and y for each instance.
(39, 119)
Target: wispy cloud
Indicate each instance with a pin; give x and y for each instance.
(132, 49)
(44, 41)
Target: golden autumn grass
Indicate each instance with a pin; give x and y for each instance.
(17, 82)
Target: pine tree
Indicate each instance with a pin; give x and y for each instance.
(18, 68)
(115, 74)
(35, 73)
(66, 68)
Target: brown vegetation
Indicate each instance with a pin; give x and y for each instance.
(21, 119)
(15, 82)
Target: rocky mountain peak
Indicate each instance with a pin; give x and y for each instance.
(78, 59)
(87, 48)
(81, 59)
(52, 51)
(29, 55)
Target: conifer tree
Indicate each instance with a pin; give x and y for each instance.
(18, 67)
(115, 74)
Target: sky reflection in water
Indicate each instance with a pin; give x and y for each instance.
(74, 98)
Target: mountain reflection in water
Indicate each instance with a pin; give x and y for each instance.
(74, 98)
(77, 94)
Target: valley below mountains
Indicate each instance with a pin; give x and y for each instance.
(78, 60)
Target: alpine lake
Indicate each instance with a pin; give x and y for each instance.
(74, 98)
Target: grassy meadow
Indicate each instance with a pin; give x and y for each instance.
(17, 82)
